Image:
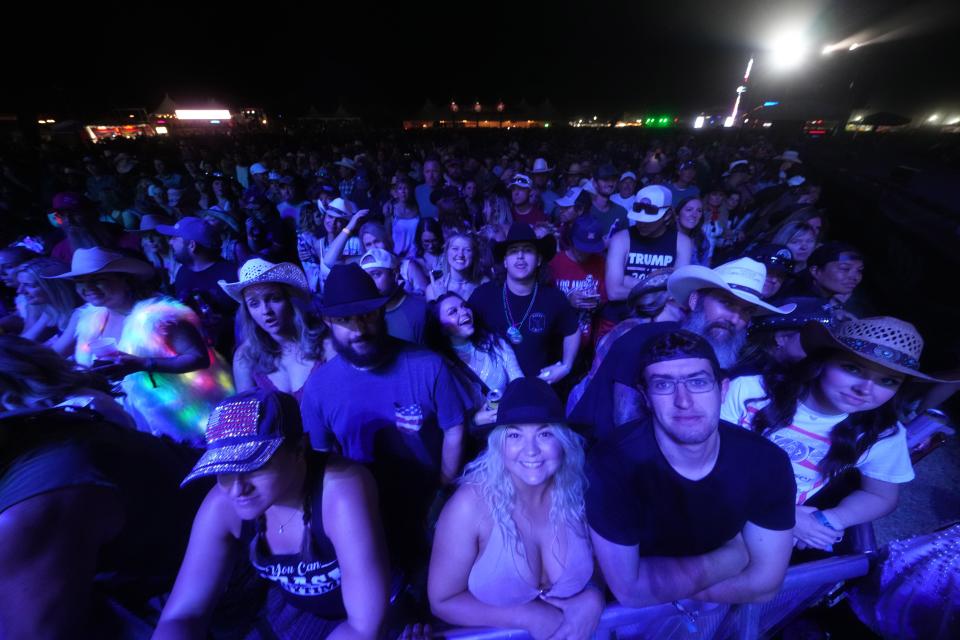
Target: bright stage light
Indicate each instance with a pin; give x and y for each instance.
(788, 51)
(854, 46)
(934, 117)
(203, 114)
(728, 122)
(698, 123)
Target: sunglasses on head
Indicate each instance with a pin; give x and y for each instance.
(648, 208)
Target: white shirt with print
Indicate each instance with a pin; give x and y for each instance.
(807, 439)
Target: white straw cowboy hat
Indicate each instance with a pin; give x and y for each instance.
(87, 262)
(790, 156)
(889, 342)
(742, 278)
(540, 166)
(260, 271)
(340, 208)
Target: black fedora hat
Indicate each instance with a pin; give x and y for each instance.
(349, 291)
(528, 400)
(522, 232)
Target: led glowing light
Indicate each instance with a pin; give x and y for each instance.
(934, 118)
(203, 114)
(698, 123)
(788, 51)
(728, 122)
(161, 131)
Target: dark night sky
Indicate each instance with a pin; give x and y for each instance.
(586, 57)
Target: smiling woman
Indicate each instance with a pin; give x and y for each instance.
(836, 412)
(511, 547)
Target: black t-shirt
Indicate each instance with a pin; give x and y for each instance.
(636, 498)
(199, 290)
(550, 320)
(189, 282)
(595, 407)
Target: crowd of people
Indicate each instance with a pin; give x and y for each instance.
(416, 383)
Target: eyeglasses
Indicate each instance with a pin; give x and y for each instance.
(693, 384)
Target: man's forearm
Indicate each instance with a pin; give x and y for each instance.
(571, 346)
(667, 579)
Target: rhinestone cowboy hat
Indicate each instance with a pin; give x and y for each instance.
(260, 271)
(741, 278)
(245, 430)
(889, 342)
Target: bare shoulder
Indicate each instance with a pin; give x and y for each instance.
(217, 515)
(466, 509)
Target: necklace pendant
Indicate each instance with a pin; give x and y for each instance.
(514, 335)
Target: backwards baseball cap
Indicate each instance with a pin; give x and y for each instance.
(776, 257)
(833, 252)
(676, 345)
(190, 228)
(244, 431)
(377, 258)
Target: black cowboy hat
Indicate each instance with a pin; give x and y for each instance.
(522, 232)
(349, 291)
(528, 400)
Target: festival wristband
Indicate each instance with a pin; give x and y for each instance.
(822, 519)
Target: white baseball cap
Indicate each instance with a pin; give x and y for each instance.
(650, 204)
(569, 198)
(377, 258)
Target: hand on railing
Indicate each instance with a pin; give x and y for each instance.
(581, 614)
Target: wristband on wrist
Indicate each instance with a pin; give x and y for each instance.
(345, 231)
(822, 519)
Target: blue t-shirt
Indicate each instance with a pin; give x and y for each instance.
(408, 320)
(395, 413)
(427, 208)
(679, 194)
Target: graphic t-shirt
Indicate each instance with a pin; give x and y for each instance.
(807, 439)
(544, 322)
(569, 275)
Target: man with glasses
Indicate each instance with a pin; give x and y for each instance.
(721, 302)
(682, 506)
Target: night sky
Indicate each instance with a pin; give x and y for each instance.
(590, 57)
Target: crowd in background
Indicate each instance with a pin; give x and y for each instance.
(433, 377)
